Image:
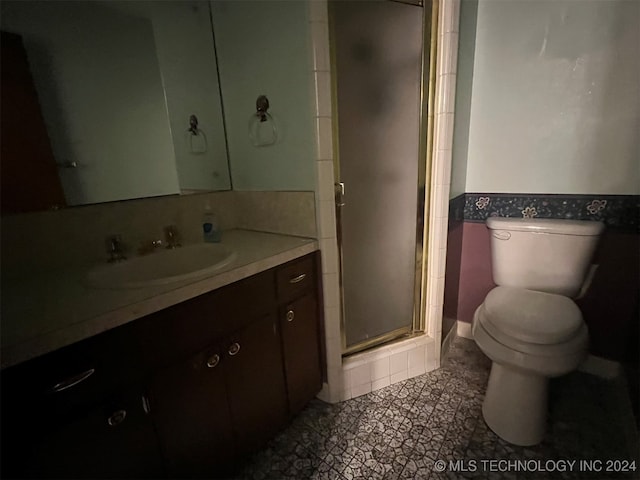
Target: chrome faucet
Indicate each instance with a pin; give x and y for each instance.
(171, 236)
(115, 249)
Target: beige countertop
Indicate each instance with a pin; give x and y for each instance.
(50, 310)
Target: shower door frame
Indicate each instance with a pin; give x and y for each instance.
(426, 129)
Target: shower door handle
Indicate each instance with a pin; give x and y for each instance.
(339, 192)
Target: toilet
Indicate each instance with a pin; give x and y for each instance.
(528, 325)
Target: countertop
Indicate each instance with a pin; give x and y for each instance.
(50, 310)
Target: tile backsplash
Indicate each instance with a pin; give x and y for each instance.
(75, 236)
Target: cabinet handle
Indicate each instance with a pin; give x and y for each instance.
(73, 381)
(298, 279)
(290, 316)
(146, 404)
(234, 349)
(213, 360)
(117, 418)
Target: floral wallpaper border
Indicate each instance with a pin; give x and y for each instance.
(619, 212)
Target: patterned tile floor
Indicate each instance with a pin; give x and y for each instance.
(400, 432)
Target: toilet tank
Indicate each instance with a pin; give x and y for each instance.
(545, 255)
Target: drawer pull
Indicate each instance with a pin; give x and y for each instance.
(298, 279)
(234, 349)
(290, 316)
(73, 381)
(213, 361)
(117, 418)
(146, 404)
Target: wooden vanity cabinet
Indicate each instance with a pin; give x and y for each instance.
(226, 400)
(184, 392)
(80, 412)
(299, 311)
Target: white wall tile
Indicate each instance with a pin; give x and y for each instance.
(455, 15)
(324, 137)
(380, 383)
(441, 227)
(432, 361)
(417, 358)
(380, 369)
(360, 375)
(445, 17)
(320, 36)
(346, 395)
(400, 376)
(329, 249)
(446, 100)
(442, 262)
(332, 323)
(437, 346)
(331, 290)
(334, 352)
(324, 177)
(451, 60)
(327, 216)
(361, 389)
(345, 380)
(440, 291)
(446, 130)
(323, 94)
(398, 362)
(318, 11)
(441, 203)
(419, 370)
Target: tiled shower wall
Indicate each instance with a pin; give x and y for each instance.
(362, 373)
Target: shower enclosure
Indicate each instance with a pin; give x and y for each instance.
(380, 69)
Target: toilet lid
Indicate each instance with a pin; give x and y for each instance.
(533, 317)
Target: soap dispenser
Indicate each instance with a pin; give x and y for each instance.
(210, 227)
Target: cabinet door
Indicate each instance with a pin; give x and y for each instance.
(114, 439)
(189, 402)
(300, 341)
(255, 380)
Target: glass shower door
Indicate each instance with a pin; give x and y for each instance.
(378, 60)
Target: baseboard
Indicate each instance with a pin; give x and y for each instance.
(600, 367)
(464, 330)
(446, 343)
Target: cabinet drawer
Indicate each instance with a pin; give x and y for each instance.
(295, 278)
(76, 376)
(186, 328)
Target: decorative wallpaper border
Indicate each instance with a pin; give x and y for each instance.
(619, 212)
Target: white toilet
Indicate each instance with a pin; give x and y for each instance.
(527, 325)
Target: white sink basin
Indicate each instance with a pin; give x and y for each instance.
(162, 267)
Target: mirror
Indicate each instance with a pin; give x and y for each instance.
(129, 94)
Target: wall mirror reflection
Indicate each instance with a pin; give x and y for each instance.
(117, 86)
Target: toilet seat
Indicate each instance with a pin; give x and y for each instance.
(527, 316)
(559, 320)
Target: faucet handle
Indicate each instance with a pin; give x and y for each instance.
(171, 236)
(115, 248)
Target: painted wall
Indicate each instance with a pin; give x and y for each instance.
(464, 84)
(265, 48)
(555, 102)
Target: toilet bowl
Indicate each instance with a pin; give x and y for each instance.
(529, 336)
(527, 325)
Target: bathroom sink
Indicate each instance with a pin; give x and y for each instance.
(162, 267)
